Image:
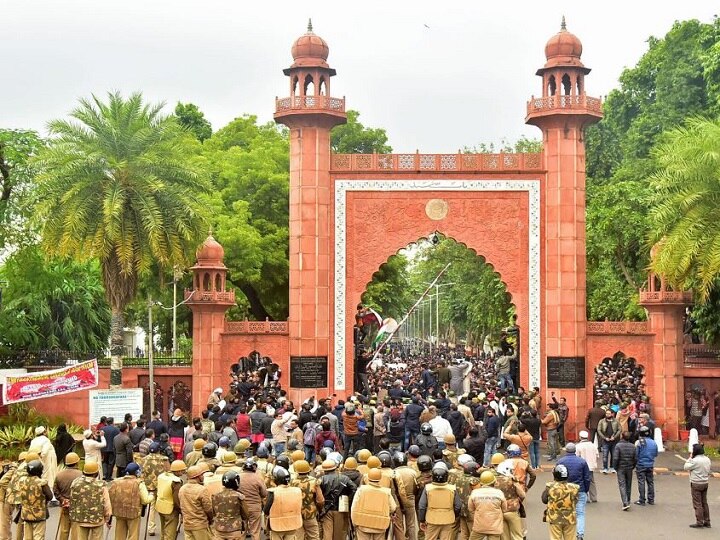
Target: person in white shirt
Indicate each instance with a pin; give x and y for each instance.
(589, 452)
(441, 427)
(699, 466)
(93, 447)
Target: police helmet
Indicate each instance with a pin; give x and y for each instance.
(560, 473)
(399, 459)
(154, 448)
(282, 461)
(231, 480)
(424, 463)
(132, 469)
(414, 450)
(324, 453)
(209, 450)
(336, 457)
(35, 468)
(426, 429)
(439, 474)
(471, 467)
(262, 451)
(385, 459)
(292, 444)
(514, 450)
(250, 465)
(281, 475)
(224, 442)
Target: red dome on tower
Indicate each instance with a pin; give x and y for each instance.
(564, 48)
(210, 252)
(310, 50)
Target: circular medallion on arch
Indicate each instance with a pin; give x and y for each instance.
(436, 209)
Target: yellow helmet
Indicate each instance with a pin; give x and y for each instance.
(497, 458)
(449, 438)
(374, 475)
(178, 466)
(297, 455)
(363, 455)
(195, 471)
(301, 466)
(22, 455)
(487, 478)
(351, 463)
(241, 446)
(72, 458)
(31, 456)
(373, 462)
(91, 468)
(198, 444)
(229, 457)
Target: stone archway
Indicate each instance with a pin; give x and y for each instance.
(499, 219)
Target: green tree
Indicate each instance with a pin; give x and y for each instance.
(389, 292)
(193, 119)
(17, 147)
(522, 146)
(56, 303)
(686, 210)
(355, 138)
(117, 185)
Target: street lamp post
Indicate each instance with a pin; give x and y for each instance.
(151, 367)
(177, 274)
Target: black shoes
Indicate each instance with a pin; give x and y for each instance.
(697, 526)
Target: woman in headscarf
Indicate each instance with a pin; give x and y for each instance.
(64, 443)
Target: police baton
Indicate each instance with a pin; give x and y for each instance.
(109, 526)
(146, 509)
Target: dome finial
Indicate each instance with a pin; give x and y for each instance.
(309, 26)
(563, 26)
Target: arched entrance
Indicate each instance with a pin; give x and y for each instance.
(498, 218)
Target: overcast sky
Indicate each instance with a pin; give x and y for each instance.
(463, 80)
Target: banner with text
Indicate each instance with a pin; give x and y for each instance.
(50, 383)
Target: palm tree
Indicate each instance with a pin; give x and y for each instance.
(117, 184)
(686, 205)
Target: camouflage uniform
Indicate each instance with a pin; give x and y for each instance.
(465, 484)
(193, 458)
(61, 489)
(127, 496)
(35, 495)
(312, 499)
(154, 466)
(450, 456)
(14, 497)
(212, 463)
(230, 511)
(6, 508)
(514, 495)
(424, 479)
(561, 498)
(89, 508)
(265, 470)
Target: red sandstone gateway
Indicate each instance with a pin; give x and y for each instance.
(532, 233)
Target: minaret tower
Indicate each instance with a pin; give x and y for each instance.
(310, 113)
(562, 113)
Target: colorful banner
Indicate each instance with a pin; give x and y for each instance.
(54, 382)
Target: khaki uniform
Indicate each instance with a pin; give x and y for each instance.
(153, 466)
(167, 504)
(230, 511)
(212, 463)
(514, 495)
(35, 495)
(6, 508)
(196, 510)
(440, 512)
(371, 510)
(192, 458)
(561, 499)
(285, 513)
(61, 489)
(14, 495)
(396, 518)
(265, 470)
(424, 479)
(253, 488)
(450, 456)
(127, 497)
(312, 500)
(487, 505)
(406, 480)
(89, 508)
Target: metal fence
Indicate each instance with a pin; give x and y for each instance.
(53, 358)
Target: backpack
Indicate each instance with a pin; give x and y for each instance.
(310, 433)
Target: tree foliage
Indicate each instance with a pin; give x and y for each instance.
(354, 138)
(117, 185)
(52, 303)
(390, 291)
(17, 148)
(193, 119)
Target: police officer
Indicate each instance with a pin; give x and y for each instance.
(229, 508)
(439, 505)
(371, 508)
(389, 481)
(451, 451)
(195, 505)
(426, 441)
(487, 507)
(128, 495)
(561, 498)
(14, 496)
(406, 480)
(154, 465)
(196, 454)
(361, 456)
(168, 501)
(209, 451)
(61, 490)
(35, 495)
(6, 508)
(89, 505)
(252, 486)
(335, 486)
(264, 467)
(514, 494)
(312, 498)
(284, 508)
(425, 465)
(465, 484)
(413, 454)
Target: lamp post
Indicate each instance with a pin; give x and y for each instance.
(177, 275)
(151, 366)
(437, 309)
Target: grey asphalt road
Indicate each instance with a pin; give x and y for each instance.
(669, 518)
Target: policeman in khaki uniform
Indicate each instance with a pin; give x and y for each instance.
(284, 508)
(361, 456)
(196, 454)
(389, 481)
(561, 498)
(6, 508)
(168, 502)
(35, 495)
(487, 505)
(154, 465)
(514, 496)
(89, 505)
(61, 489)
(451, 452)
(406, 480)
(439, 506)
(127, 497)
(425, 465)
(255, 492)
(312, 498)
(229, 509)
(371, 508)
(195, 505)
(465, 485)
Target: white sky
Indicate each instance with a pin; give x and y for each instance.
(462, 81)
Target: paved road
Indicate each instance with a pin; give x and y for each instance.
(669, 518)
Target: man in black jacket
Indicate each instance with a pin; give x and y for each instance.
(474, 445)
(123, 450)
(624, 461)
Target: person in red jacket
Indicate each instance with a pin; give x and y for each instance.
(327, 434)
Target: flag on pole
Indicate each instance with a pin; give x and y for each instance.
(389, 326)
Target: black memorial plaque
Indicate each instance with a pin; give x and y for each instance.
(308, 371)
(566, 372)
